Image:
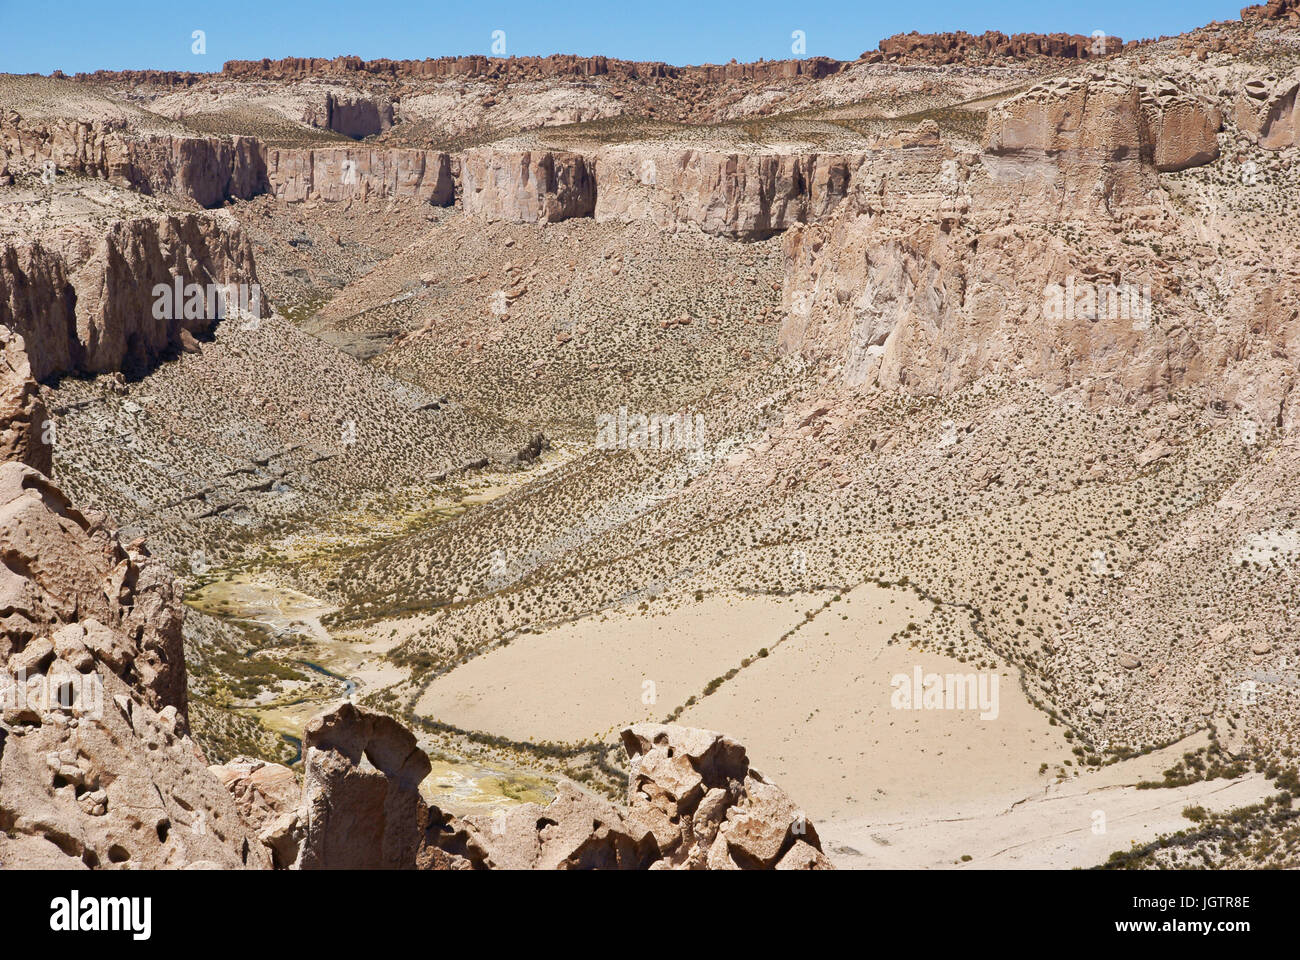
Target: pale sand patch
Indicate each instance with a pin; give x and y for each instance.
(583, 680)
(1074, 824)
(816, 718)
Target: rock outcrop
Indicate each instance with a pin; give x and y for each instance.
(24, 420)
(354, 115)
(1273, 10)
(962, 47)
(96, 765)
(706, 808)
(746, 196)
(513, 68)
(575, 831)
(527, 186)
(693, 803)
(361, 805)
(1082, 143)
(1265, 110)
(66, 575)
(1183, 129)
(344, 173)
(262, 791)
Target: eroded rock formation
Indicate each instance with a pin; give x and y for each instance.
(96, 765)
(1078, 141)
(527, 186)
(354, 115)
(696, 793)
(343, 173)
(1265, 110)
(208, 170)
(1183, 129)
(727, 194)
(23, 418)
(962, 47)
(93, 305)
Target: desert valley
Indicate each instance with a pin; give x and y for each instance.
(570, 462)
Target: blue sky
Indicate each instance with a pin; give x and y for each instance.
(77, 35)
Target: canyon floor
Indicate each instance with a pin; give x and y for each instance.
(422, 477)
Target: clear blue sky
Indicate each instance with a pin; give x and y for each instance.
(77, 35)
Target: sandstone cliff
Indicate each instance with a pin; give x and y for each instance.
(1077, 142)
(931, 296)
(208, 170)
(527, 186)
(1265, 110)
(726, 194)
(342, 173)
(91, 305)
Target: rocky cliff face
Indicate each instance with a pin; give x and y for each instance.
(96, 766)
(962, 47)
(744, 196)
(208, 170)
(23, 419)
(1183, 128)
(930, 296)
(354, 115)
(1074, 142)
(1265, 110)
(92, 306)
(212, 170)
(527, 186)
(38, 302)
(297, 174)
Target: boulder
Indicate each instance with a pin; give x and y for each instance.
(707, 809)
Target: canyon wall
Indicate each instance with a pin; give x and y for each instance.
(206, 169)
(212, 170)
(344, 173)
(930, 295)
(88, 305)
(527, 186)
(726, 194)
